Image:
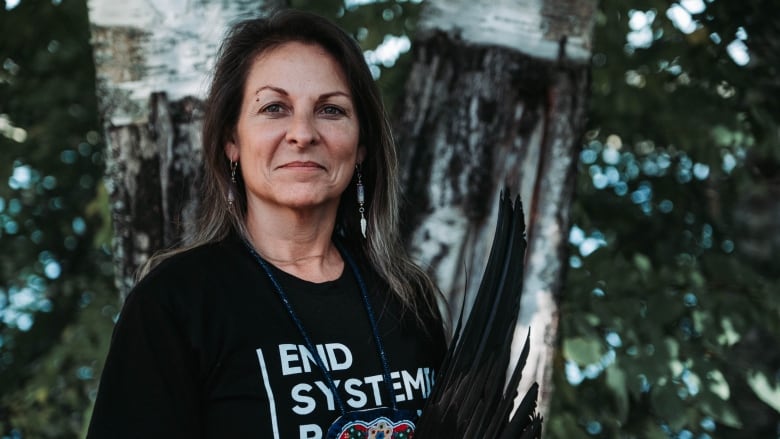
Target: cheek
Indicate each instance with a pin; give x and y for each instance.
(347, 141)
(259, 143)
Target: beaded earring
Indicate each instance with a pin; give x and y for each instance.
(361, 200)
(231, 196)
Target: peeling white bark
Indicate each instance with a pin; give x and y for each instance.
(145, 46)
(498, 91)
(547, 235)
(545, 29)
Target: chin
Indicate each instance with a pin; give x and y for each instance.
(307, 201)
(308, 196)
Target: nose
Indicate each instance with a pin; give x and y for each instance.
(302, 131)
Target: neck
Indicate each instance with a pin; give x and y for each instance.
(299, 243)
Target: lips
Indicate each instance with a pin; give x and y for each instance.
(301, 165)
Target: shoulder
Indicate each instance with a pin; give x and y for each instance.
(197, 263)
(194, 256)
(188, 274)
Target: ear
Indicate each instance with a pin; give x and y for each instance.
(361, 153)
(232, 151)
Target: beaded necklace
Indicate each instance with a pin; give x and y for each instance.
(392, 419)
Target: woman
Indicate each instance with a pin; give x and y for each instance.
(296, 306)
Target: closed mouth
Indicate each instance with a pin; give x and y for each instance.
(302, 165)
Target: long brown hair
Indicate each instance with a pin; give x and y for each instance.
(383, 248)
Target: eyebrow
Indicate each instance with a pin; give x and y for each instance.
(283, 92)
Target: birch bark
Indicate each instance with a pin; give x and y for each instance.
(496, 97)
(153, 60)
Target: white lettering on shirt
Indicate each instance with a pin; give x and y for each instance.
(334, 349)
(374, 381)
(287, 355)
(310, 431)
(297, 359)
(306, 404)
(326, 391)
(397, 385)
(313, 395)
(414, 383)
(352, 388)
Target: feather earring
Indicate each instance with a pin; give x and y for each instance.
(231, 196)
(361, 200)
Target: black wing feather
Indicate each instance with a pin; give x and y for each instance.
(472, 397)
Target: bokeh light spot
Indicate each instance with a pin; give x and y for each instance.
(52, 269)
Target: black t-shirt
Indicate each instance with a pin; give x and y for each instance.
(204, 348)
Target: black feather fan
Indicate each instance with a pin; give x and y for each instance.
(472, 397)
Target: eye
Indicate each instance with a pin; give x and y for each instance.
(333, 110)
(272, 108)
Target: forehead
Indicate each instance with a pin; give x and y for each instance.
(296, 65)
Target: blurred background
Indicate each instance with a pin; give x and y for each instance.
(670, 315)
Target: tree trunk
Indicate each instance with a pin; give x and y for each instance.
(496, 97)
(153, 61)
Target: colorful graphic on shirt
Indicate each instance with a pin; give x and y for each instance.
(381, 428)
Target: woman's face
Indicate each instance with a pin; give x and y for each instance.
(297, 133)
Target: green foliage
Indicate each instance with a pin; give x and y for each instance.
(670, 317)
(56, 297)
(55, 400)
(372, 24)
(667, 314)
